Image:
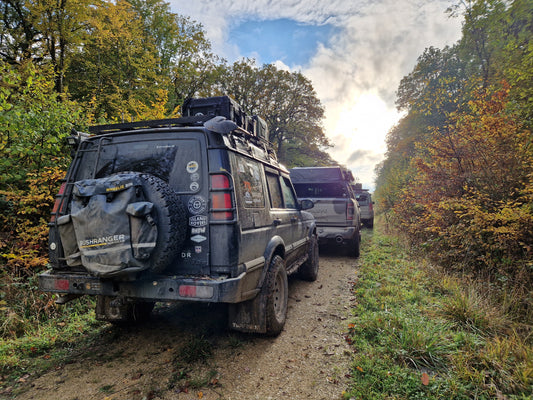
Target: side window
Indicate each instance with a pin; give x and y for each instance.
(250, 183)
(288, 194)
(275, 192)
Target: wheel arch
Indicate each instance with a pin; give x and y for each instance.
(275, 247)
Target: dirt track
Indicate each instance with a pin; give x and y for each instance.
(309, 360)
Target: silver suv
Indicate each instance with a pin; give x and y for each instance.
(366, 205)
(336, 211)
(189, 209)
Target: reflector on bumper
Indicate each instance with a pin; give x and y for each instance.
(200, 292)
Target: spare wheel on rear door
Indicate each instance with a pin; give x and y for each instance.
(126, 222)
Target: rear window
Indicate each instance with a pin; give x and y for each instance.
(318, 190)
(176, 161)
(362, 199)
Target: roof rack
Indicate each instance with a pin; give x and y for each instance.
(196, 112)
(158, 123)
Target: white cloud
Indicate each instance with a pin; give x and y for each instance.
(358, 72)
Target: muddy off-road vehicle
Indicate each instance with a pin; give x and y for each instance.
(189, 209)
(335, 209)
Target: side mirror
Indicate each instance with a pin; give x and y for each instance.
(306, 204)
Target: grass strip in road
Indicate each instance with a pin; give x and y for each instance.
(417, 333)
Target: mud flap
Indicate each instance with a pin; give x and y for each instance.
(68, 240)
(248, 316)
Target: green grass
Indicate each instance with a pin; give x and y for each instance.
(46, 342)
(419, 334)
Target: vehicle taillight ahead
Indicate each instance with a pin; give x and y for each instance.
(221, 205)
(349, 211)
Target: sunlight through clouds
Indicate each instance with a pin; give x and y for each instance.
(355, 69)
(362, 120)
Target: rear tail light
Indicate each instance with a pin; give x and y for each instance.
(61, 284)
(59, 202)
(221, 203)
(349, 211)
(201, 292)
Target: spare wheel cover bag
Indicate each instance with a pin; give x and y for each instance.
(127, 222)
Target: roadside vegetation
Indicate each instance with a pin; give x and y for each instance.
(418, 332)
(455, 321)
(458, 174)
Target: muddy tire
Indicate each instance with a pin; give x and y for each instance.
(274, 294)
(355, 246)
(309, 269)
(170, 219)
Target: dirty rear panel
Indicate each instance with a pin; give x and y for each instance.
(177, 159)
(329, 201)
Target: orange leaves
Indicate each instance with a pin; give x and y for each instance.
(468, 199)
(424, 379)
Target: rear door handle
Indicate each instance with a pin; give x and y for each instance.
(294, 219)
(277, 222)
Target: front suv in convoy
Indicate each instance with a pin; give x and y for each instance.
(336, 210)
(189, 209)
(366, 205)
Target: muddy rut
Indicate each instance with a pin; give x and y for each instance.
(186, 352)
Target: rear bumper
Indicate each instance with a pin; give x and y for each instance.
(337, 234)
(154, 289)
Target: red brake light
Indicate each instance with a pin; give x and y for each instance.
(57, 203)
(219, 182)
(62, 284)
(221, 200)
(221, 205)
(201, 292)
(349, 211)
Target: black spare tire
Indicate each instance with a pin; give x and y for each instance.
(171, 221)
(126, 222)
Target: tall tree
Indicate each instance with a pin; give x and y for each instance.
(61, 24)
(515, 60)
(288, 102)
(43, 31)
(33, 123)
(458, 172)
(117, 68)
(18, 32)
(183, 51)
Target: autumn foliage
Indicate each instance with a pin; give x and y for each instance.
(458, 174)
(471, 198)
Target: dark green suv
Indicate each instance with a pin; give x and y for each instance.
(189, 209)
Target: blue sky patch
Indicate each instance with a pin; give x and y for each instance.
(281, 39)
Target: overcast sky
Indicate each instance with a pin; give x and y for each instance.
(355, 52)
